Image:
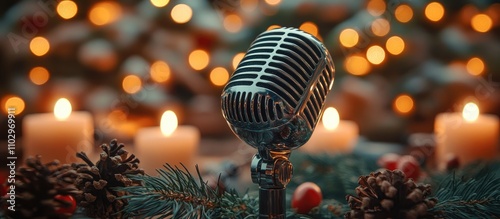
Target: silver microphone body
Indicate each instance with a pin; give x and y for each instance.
(275, 97)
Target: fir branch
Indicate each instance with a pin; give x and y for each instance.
(470, 193)
(176, 193)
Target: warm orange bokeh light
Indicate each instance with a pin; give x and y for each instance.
(380, 27)
(434, 11)
(67, 9)
(199, 59)
(159, 3)
(376, 7)
(475, 66)
(310, 28)
(481, 23)
(39, 75)
(219, 76)
(160, 71)
(233, 23)
(349, 37)
(103, 13)
(395, 45)
(181, 13)
(375, 55)
(132, 84)
(403, 104)
(39, 46)
(403, 13)
(273, 2)
(357, 65)
(274, 26)
(237, 59)
(13, 105)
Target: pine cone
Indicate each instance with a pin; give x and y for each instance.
(97, 181)
(36, 187)
(387, 194)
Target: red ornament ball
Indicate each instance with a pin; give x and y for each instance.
(410, 166)
(306, 197)
(389, 161)
(66, 210)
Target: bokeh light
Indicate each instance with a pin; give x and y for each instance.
(481, 23)
(219, 76)
(403, 104)
(67, 9)
(103, 13)
(233, 23)
(199, 59)
(132, 84)
(273, 2)
(159, 3)
(357, 65)
(395, 45)
(475, 66)
(375, 55)
(434, 11)
(15, 103)
(39, 46)
(237, 59)
(274, 26)
(249, 5)
(310, 28)
(403, 13)
(376, 7)
(380, 27)
(181, 13)
(160, 71)
(39, 75)
(349, 37)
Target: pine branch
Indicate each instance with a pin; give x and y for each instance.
(474, 194)
(176, 193)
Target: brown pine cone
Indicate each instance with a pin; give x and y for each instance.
(97, 181)
(387, 194)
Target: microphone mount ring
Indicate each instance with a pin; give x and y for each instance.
(272, 171)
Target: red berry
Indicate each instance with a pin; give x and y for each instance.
(306, 197)
(66, 210)
(410, 166)
(389, 161)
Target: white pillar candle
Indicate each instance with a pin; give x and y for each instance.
(468, 135)
(59, 135)
(156, 146)
(334, 136)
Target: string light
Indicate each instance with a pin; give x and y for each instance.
(403, 104)
(376, 7)
(475, 66)
(237, 59)
(274, 26)
(14, 102)
(395, 45)
(39, 75)
(310, 28)
(434, 11)
(349, 37)
(375, 54)
(380, 27)
(160, 71)
(233, 23)
(131, 84)
(198, 59)
(481, 23)
(181, 13)
(159, 3)
(403, 13)
(104, 13)
(219, 76)
(39, 46)
(357, 65)
(67, 9)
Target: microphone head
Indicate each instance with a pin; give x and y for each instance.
(275, 97)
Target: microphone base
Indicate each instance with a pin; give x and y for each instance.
(272, 203)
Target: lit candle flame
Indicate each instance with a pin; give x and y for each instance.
(470, 112)
(331, 118)
(168, 123)
(62, 109)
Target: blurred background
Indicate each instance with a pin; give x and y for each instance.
(399, 63)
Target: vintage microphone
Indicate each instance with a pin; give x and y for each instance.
(273, 102)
